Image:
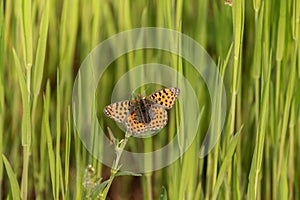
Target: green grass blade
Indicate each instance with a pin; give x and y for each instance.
(67, 153)
(26, 118)
(255, 170)
(67, 45)
(256, 68)
(226, 164)
(41, 51)
(47, 132)
(26, 15)
(77, 143)
(236, 178)
(15, 189)
(26, 125)
(286, 113)
(291, 154)
(280, 47)
(281, 31)
(2, 108)
(58, 171)
(283, 182)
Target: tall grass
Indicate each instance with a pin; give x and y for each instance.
(255, 45)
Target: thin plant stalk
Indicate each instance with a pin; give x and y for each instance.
(115, 168)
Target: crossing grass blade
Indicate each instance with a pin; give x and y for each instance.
(226, 164)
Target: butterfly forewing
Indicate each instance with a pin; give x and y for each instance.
(165, 97)
(119, 111)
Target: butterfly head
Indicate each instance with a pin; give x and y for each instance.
(139, 97)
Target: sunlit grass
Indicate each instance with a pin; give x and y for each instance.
(255, 46)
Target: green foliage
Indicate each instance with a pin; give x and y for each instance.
(255, 45)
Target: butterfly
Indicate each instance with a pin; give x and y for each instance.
(145, 113)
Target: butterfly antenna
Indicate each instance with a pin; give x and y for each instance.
(133, 95)
(144, 90)
(136, 96)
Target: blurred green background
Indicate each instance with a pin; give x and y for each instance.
(255, 46)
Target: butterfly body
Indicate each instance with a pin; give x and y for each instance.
(146, 113)
(142, 108)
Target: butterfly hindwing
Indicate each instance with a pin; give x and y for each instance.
(159, 118)
(133, 125)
